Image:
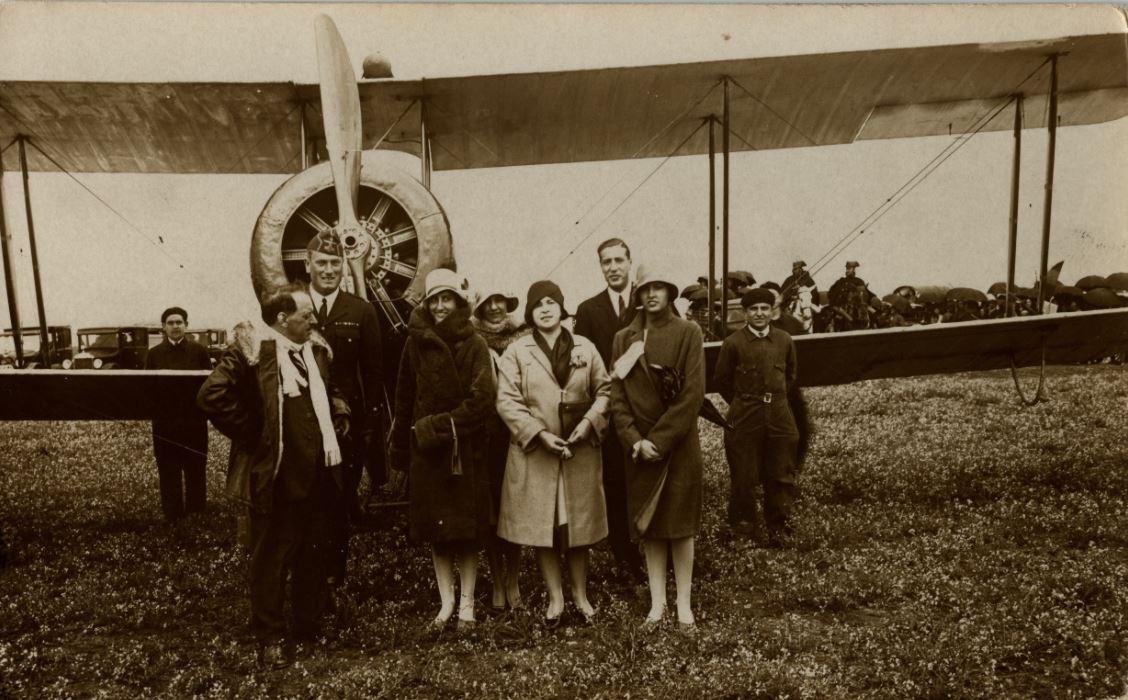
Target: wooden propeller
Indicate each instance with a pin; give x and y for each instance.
(340, 108)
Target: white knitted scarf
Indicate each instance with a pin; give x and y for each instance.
(291, 382)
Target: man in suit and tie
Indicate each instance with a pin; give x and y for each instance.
(598, 319)
(350, 326)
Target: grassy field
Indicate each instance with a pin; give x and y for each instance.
(950, 543)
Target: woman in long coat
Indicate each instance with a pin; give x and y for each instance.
(493, 321)
(444, 398)
(659, 436)
(553, 394)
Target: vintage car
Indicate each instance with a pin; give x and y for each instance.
(214, 339)
(58, 338)
(112, 347)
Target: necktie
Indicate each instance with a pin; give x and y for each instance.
(322, 311)
(299, 363)
(622, 309)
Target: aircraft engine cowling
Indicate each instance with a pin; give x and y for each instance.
(408, 232)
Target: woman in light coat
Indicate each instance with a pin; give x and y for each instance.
(552, 495)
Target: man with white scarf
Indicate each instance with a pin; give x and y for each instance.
(270, 394)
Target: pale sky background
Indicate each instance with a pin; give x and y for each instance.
(786, 203)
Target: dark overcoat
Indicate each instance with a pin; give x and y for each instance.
(243, 399)
(598, 321)
(445, 396)
(639, 412)
(184, 436)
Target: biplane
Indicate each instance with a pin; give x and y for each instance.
(333, 138)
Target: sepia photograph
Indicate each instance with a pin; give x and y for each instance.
(563, 350)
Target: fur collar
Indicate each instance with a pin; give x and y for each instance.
(498, 336)
(249, 339)
(452, 330)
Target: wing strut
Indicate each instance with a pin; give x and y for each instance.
(1047, 209)
(1012, 243)
(46, 352)
(10, 282)
(1047, 206)
(725, 207)
(712, 222)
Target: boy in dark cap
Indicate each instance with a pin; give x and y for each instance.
(756, 369)
(180, 444)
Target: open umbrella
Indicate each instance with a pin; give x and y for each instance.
(1102, 298)
(701, 294)
(741, 277)
(932, 294)
(1068, 291)
(997, 289)
(898, 302)
(1118, 281)
(1092, 282)
(965, 294)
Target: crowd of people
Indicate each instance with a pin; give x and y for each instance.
(553, 434)
(850, 305)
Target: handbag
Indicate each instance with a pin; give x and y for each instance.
(571, 413)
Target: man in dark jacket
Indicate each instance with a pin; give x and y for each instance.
(799, 277)
(350, 326)
(273, 397)
(755, 370)
(598, 319)
(181, 443)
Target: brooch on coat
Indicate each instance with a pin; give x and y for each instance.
(579, 359)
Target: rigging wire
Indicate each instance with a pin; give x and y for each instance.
(637, 187)
(158, 245)
(890, 202)
(923, 173)
(661, 132)
(776, 114)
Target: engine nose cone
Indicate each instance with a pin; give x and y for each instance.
(376, 66)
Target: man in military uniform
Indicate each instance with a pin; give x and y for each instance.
(799, 277)
(840, 291)
(351, 327)
(598, 319)
(756, 369)
(180, 442)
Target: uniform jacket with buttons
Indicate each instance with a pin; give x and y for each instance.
(353, 332)
(755, 376)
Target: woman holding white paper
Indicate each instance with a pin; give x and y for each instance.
(657, 389)
(553, 394)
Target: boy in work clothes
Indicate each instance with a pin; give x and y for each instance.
(755, 370)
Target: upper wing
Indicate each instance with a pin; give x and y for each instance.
(570, 116)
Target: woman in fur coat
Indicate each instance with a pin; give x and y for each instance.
(444, 399)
